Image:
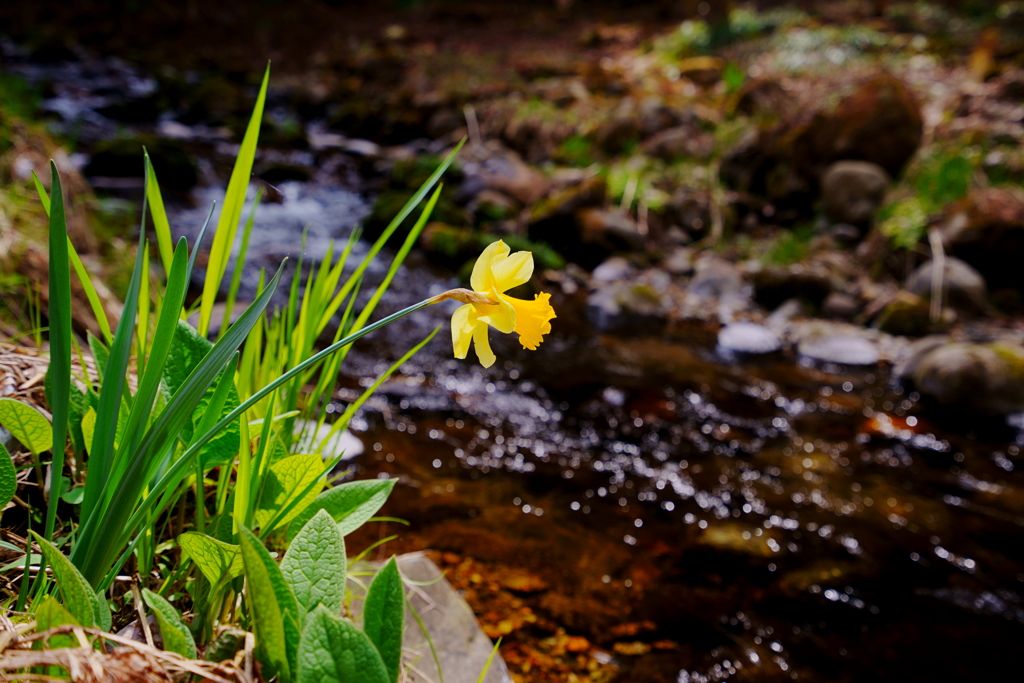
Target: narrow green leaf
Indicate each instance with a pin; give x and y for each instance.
(26, 424)
(275, 612)
(231, 212)
(149, 384)
(75, 591)
(8, 477)
(177, 637)
(384, 616)
(350, 504)
(128, 507)
(114, 368)
(333, 649)
(289, 485)
(214, 558)
(162, 227)
(83, 275)
(236, 272)
(44, 196)
(314, 565)
(60, 337)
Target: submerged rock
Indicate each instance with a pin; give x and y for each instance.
(845, 350)
(749, 338)
(853, 191)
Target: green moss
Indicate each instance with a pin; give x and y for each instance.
(1014, 357)
(904, 222)
(576, 150)
(789, 247)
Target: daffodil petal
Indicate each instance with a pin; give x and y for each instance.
(482, 280)
(462, 330)
(533, 319)
(483, 346)
(513, 271)
(501, 317)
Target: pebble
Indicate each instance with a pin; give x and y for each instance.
(847, 350)
(747, 337)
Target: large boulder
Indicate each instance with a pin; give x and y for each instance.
(853, 191)
(986, 229)
(974, 378)
(874, 119)
(878, 120)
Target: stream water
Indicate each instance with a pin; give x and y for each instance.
(699, 517)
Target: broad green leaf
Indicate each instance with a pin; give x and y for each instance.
(333, 649)
(214, 558)
(275, 612)
(187, 350)
(231, 212)
(78, 596)
(289, 485)
(26, 424)
(102, 611)
(8, 477)
(51, 614)
(384, 616)
(351, 504)
(88, 428)
(314, 565)
(177, 637)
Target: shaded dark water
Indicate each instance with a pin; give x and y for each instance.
(698, 518)
(771, 520)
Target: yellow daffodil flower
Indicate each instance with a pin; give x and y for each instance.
(496, 272)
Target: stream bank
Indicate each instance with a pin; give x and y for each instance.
(721, 464)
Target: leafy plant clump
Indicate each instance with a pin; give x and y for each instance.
(188, 463)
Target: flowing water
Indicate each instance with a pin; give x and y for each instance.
(697, 517)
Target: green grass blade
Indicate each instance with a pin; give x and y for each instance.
(164, 242)
(231, 213)
(60, 342)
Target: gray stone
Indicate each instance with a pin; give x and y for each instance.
(715, 277)
(975, 378)
(963, 287)
(637, 303)
(845, 350)
(462, 647)
(679, 262)
(747, 337)
(840, 305)
(615, 268)
(853, 191)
